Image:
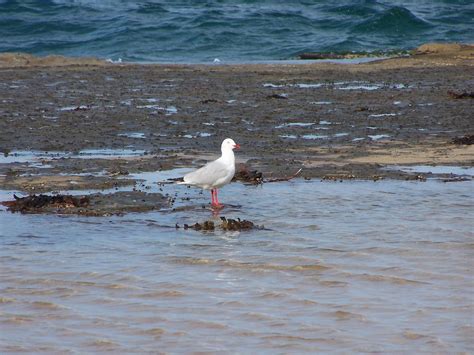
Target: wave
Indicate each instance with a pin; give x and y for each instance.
(230, 30)
(394, 21)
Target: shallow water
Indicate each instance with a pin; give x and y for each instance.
(437, 169)
(355, 267)
(34, 156)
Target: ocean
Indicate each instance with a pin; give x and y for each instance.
(233, 31)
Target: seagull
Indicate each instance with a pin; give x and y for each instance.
(215, 174)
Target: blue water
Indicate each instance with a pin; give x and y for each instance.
(231, 30)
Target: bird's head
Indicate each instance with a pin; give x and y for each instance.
(229, 143)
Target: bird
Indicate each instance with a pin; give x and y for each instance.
(215, 174)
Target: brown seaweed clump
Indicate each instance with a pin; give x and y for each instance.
(465, 140)
(245, 175)
(36, 203)
(226, 225)
(205, 226)
(236, 225)
(461, 95)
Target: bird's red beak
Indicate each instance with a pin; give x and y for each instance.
(237, 146)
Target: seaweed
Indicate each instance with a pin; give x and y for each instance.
(253, 177)
(236, 225)
(461, 95)
(226, 224)
(37, 202)
(465, 140)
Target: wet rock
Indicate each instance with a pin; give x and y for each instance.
(98, 204)
(48, 183)
(209, 101)
(82, 108)
(37, 202)
(457, 179)
(438, 48)
(118, 172)
(277, 96)
(417, 177)
(461, 95)
(425, 125)
(465, 140)
(338, 177)
(12, 60)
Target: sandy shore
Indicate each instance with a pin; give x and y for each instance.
(343, 120)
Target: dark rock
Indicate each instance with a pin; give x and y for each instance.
(466, 140)
(90, 205)
(461, 95)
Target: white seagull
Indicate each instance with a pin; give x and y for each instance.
(215, 174)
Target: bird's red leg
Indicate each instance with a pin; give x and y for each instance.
(217, 199)
(213, 197)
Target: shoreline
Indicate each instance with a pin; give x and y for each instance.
(449, 51)
(333, 120)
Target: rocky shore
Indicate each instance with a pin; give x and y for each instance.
(335, 121)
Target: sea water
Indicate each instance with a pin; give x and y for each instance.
(184, 31)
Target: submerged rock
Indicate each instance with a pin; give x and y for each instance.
(225, 224)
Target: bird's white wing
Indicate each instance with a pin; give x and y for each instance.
(207, 176)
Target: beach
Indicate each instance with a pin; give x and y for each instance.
(328, 119)
(367, 248)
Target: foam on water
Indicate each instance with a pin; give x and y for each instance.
(295, 124)
(314, 136)
(324, 122)
(308, 86)
(378, 115)
(343, 85)
(199, 134)
(137, 135)
(376, 137)
(74, 108)
(321, 103)
(360, 87)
